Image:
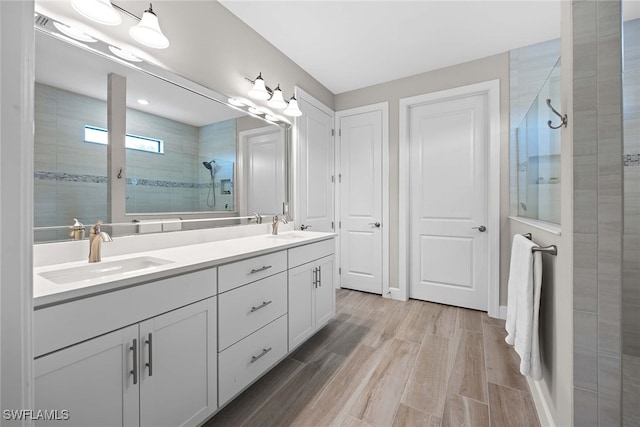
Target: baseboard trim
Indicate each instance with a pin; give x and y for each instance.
(542, 408)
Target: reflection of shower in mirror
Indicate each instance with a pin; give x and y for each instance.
(213, 168)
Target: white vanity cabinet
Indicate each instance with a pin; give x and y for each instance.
(159, 371)
(252, 320)
(311, 290)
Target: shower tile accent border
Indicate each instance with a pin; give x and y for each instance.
(631, 159)
(97, 179)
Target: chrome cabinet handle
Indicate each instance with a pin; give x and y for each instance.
(264, 304)
(257, 270)
(375, 224)
(481, 229)
(264, 351)
(134, 371)
(319, 277)
(315, 277)
(149, 364)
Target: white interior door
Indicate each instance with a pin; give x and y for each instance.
(448, 201)
(315, 166)
(264, 174)
(360, 180)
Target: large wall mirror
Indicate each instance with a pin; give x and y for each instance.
(188, 154)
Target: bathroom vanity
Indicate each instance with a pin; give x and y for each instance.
(179, 332)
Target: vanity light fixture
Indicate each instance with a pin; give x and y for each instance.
(148, 32)
(259, 89)
(101, 11)
(124, 54)
(276, 99)
(292, 109)
(73, 33)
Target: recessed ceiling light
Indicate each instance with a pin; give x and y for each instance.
(74, 33)
(124, 54)
(143, 102)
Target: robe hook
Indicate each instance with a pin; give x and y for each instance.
(563, 117)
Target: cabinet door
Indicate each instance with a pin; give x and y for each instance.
(325, 292)
(178, 366)
(301, 305)
(91, 380)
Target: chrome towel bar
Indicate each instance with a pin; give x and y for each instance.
(551, 249)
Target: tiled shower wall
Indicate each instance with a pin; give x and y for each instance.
(597, 212)
(631, 238)
(71, 175)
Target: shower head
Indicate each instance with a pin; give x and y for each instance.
(208, 164)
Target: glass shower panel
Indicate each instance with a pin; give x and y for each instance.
(538, 154)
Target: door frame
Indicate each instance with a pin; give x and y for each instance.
(492, 89)
(383, 107)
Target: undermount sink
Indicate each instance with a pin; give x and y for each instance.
(103, 269)
(289, 236)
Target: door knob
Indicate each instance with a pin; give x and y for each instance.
(375, 224)
(481, 229)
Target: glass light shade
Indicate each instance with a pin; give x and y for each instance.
(259, 90)
(148, 32)
(100, 11)
(292, 109)
(74, 33)
(277, 100)
(124, 54)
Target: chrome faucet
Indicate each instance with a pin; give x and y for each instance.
(277, 219)
(96, 237)
(257, 217)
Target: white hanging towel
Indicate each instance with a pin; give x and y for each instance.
(523, 305)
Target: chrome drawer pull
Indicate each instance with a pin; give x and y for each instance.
(149, 364)
(257, 270)
(264, 304)
(264, 351)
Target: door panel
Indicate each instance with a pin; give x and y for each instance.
(177, 387)
(91, 380)
(301, 306)
(265, 176)
(448, 187)
(361, 201)
(315, 168)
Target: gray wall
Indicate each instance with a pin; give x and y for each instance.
(597, 212)
(631, 237)
(490, 68)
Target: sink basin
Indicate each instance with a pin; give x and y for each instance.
(102, 269)
(289, 236)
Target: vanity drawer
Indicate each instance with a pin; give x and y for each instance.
(239, 273)
(311, 252)
(245, 361)
(246, 309)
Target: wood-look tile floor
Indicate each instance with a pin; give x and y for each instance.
(382, 362)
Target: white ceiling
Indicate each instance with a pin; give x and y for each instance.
(347, 45)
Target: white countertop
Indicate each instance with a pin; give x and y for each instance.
(183, 259)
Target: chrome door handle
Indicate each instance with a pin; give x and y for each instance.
(149, 364)
(481, 229)
(375, 224)
(134, 371)
(304, 227)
